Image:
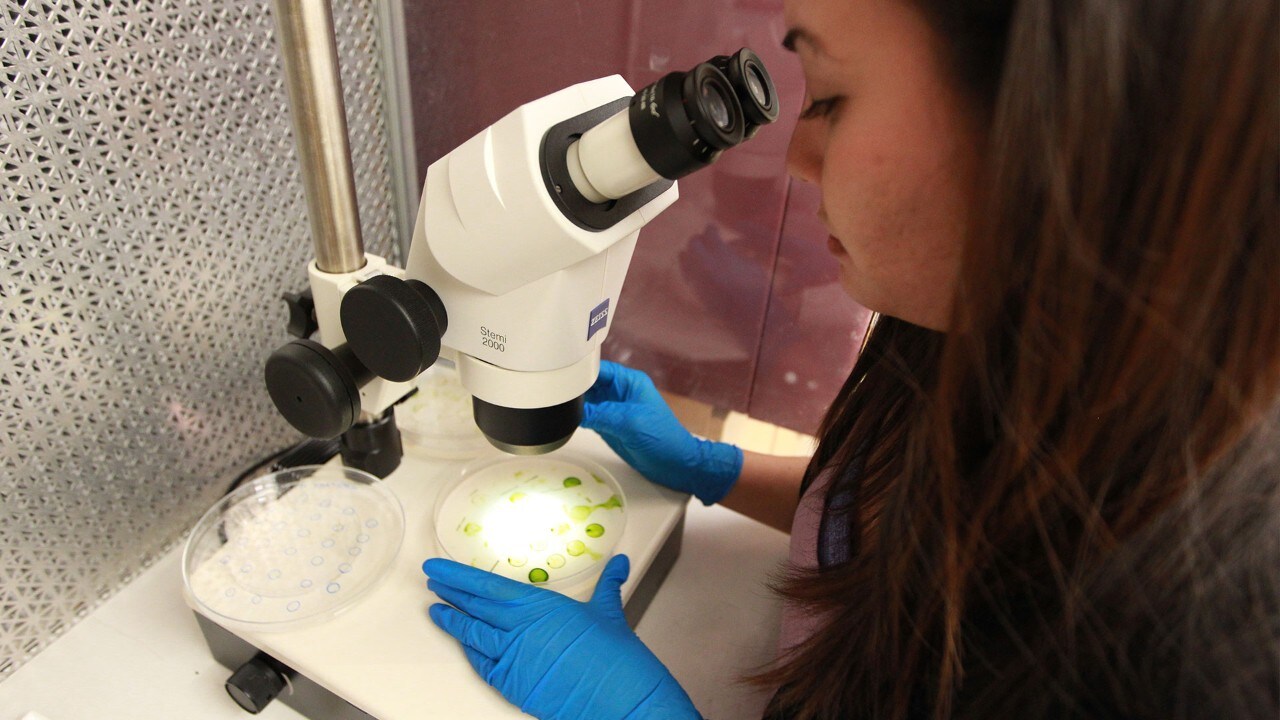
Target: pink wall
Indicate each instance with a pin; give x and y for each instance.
(731, 298)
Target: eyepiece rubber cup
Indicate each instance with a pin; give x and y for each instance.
(753, 86)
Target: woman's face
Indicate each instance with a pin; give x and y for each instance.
(893, 144)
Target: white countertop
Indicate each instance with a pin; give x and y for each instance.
(141, 654)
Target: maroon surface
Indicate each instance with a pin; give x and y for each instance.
(696, 305)
(812, 329)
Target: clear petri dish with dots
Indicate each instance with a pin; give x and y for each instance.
(292, 548)
(550, 520)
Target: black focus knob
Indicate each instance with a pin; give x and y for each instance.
(256, 683)
(316, 389)
(394, 326)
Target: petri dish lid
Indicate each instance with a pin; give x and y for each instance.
(548, 520)
(291, 548)
(438, 420)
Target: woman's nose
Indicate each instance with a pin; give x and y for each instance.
(804, 160)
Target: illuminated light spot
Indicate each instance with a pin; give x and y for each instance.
(517, 560)
(538, 575)
(517, 496)
(512, 529)
(572, 482)
(595, 530)
(555, 562)
(576, 548)
(471, 529)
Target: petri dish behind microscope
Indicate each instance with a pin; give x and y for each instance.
(292, 548)
(437, 421)
(548, 520)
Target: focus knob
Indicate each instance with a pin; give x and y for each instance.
(394, 326)
(316, 389)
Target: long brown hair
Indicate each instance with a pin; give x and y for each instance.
(1069, 504)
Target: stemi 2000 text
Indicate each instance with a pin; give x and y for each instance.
(491, 339)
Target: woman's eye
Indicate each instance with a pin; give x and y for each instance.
(819, 108)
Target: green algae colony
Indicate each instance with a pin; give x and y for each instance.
(471, 529)
(595, 530)
(538, 575)
(572, 482)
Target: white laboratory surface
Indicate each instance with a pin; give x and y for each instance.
(141, 654)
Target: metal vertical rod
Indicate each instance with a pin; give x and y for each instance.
(310, 52)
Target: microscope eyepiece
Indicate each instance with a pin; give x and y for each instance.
(682, 122)
(754, 87)
(677, 125)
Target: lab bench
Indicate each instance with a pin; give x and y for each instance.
(141, 654)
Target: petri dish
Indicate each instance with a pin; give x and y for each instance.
(549, 520)
(438, 421)
(292, 548)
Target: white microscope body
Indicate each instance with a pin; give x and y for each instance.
(529, 293)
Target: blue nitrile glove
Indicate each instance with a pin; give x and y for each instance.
(550, 655)
(626, 409)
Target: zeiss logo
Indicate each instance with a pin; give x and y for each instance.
(599, 319)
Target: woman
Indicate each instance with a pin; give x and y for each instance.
(1051, 485)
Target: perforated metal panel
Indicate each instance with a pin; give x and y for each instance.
(151, 213)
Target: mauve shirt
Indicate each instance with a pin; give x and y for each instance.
(819, 538)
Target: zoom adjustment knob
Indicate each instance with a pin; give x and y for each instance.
(394, 326)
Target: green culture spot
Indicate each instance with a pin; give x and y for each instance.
(538, 575)
(471, 529)
(572, 482)
(595, 530)
(517, 496)
(555, 561)
(576, 548)
(578, 513)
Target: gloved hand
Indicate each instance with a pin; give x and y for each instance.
(550, 655)
(626, 409)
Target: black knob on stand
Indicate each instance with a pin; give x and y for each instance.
(394, 326)
(256, 683)
(315, 388)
